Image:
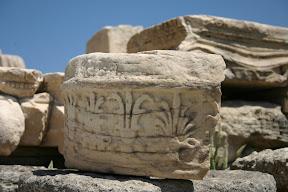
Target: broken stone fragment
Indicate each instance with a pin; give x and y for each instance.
(147, 114)
(36, 111)
(269, 161)
(259, 125)
(11, 61)
(12, 123)
(112, 39)
(55, 133)
(255, 54)
(51, 84)
(19, 82)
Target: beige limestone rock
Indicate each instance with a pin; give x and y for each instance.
(55, 133)
(147, 114)
(51, 84)
(36, 111)
(255, 54)
(267, 161)
(11, 61)
(260, 125)
(214, 181)
(19, 82)
(11, 124)
(112, 39)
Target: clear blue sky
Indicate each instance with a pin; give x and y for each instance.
(48, 33)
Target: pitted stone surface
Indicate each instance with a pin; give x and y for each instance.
(147, 114)
(255, 54)
(112, 39)
(9, 176)
(19, 82)
(36, 110)
(216, 181)
(12, 123)
(267, 161)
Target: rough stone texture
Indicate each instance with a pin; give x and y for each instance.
(51, 84)
(267, 161)
(9, 176)
(11, 124)
(36, 110)
(55, 133)
(255, 54)
(260, 125)
(19, 82)
(11, 61)
(235, 180)
(112, 39)
(224, 181)
(146, 114)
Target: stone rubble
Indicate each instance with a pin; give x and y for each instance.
(217, 181)
(36, 110)
(19, 82)
(274, 162)
(260, 125)
(12, 124)
(255, 54)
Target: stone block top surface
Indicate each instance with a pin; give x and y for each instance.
(151, 68)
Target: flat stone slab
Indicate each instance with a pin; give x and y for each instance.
(145, 114)
(224, 181)
(255, 54)
(9, 176)
(269, 161)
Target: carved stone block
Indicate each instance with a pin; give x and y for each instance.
(148, 114)
(255, 54)
(19, 82)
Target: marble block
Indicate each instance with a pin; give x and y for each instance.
(146, 114)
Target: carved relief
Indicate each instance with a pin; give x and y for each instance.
(143, 119)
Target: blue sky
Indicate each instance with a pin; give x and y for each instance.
(48, 33)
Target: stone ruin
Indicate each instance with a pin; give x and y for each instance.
(169, 102)
(147, 114)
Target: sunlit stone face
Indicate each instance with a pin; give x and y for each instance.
(147, 114)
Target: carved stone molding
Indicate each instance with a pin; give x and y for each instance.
(113, 124)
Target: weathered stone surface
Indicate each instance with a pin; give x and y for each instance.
(11, 124)
(36, 110)
(9, 176)
(260, 125)
(146, 114)
(267, 161)
(55, 133)
(75, 181)
(51, 84)
(235, 180)
(11, 61)
(19, 82)
(254, 53)
(112, 39)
